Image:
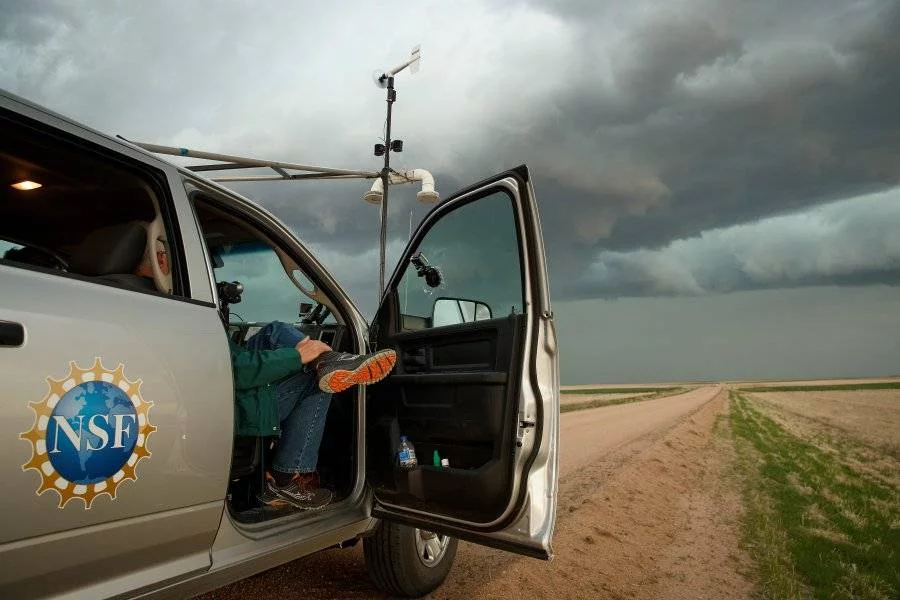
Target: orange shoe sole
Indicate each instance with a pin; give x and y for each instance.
(372, 370)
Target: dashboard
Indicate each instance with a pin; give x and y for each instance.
(332, 334)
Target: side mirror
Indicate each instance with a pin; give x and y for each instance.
(453, 311)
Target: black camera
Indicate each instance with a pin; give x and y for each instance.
(431, 274)
(230, 291)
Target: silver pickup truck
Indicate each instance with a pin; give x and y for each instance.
(123, 474)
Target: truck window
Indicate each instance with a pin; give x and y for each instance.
(244, 255)
(74, 210)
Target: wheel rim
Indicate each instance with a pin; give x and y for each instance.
(431, 547)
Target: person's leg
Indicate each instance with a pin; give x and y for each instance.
(276, 335)
(302, 409)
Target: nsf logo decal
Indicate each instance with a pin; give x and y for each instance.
(89, 433)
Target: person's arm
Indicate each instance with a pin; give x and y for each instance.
(253, 368)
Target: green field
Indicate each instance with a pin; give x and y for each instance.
(816, 526)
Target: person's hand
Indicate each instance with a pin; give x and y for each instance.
(310, 349)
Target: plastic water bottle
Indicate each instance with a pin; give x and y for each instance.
(407, 454)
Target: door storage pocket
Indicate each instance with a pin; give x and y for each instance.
(480, 494)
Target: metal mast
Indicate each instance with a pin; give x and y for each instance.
(386, 79)
(386, 182)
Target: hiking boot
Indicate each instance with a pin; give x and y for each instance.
(293, 494)
(339, 371)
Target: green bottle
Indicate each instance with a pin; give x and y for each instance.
(437, 459)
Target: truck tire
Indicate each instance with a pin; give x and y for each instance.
(408, 562)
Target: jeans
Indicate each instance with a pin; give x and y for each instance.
(302, 406)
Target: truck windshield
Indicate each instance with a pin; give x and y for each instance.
(269, 294)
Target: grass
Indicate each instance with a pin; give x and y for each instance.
(816, 527)
(765, 541)
(884, 385)
(628, 390)
(614, 401)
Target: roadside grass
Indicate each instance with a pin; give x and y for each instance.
(884, 385)
(624, 390)
(764, 543)
(816, 527)
(614, 401)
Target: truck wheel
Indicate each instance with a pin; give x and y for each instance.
(409, 562)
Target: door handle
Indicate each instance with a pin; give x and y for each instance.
(11, 334)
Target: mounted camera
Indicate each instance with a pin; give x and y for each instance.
(431, 273)
(229, 293)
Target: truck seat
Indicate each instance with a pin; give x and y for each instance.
(113, 253)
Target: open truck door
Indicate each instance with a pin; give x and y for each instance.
(476, 381)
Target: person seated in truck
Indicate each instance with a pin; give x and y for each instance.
(145, 268)
(283, 384)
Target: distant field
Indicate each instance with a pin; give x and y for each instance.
(869, 416)
(881, 385)
(629, 387)
(792, 383)
(585, 400)
(615, 390)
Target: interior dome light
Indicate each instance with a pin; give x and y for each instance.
(26, 185)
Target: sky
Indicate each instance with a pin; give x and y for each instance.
(718, 180)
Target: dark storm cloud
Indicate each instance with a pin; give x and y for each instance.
(700, 119)
(644, 123)
(851, 242)
(692, 128)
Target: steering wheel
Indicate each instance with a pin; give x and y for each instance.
(156, 235)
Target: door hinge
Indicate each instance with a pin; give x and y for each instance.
(526, 424)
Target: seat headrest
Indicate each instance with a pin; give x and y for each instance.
(108, 250)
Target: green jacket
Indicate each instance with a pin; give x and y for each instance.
(255, 374)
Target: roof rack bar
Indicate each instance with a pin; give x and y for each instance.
(215, 167)
(289, 177)
(330, 176)
(249, 162)
(249, 178)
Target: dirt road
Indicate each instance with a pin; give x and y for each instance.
(642, 513)
(587, 436)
